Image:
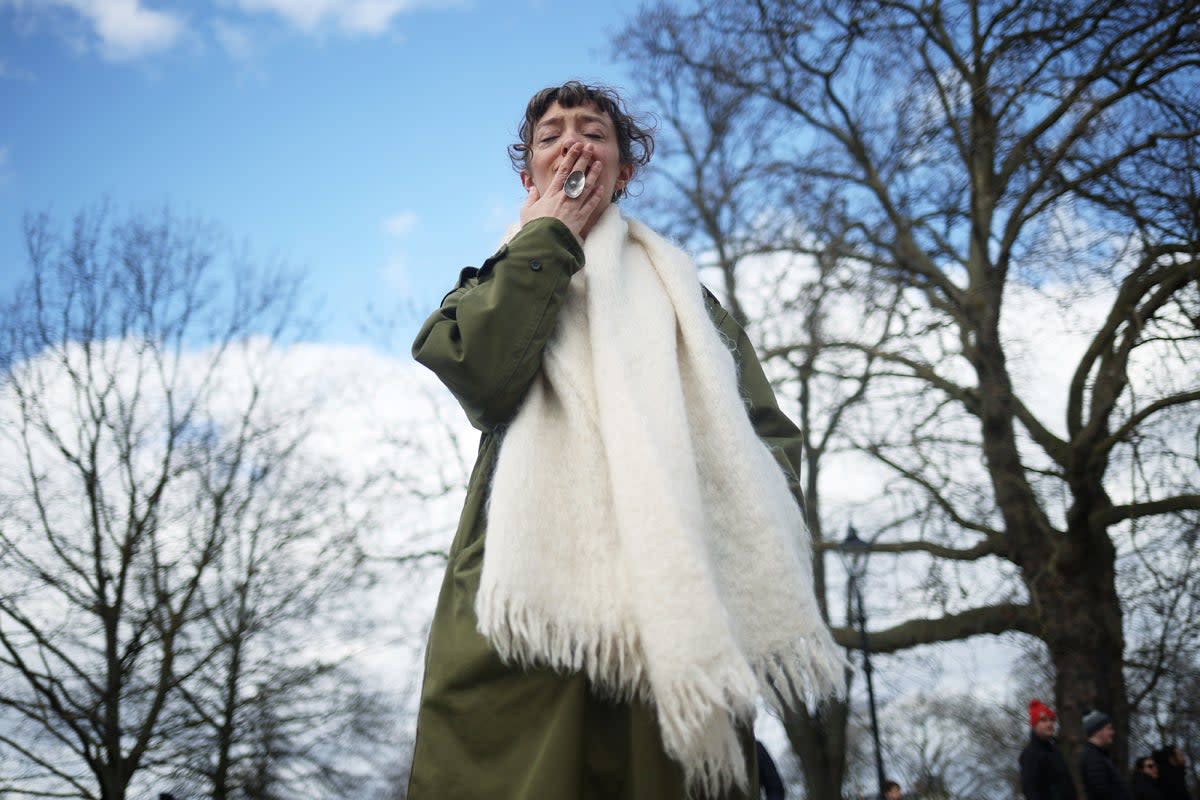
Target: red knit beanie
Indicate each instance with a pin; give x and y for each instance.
(1039, 711)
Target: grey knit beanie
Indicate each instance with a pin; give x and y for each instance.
(1094, 721)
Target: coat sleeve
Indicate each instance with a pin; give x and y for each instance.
(773, 427)
(485, 342)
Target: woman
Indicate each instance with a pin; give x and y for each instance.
(1145, 779)
(631, 566)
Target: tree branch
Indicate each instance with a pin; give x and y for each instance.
(952, 627)
(987, 547)
(1168, 505)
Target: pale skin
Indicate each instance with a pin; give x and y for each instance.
(1045, 727)
(565, 140)
(1103, 737)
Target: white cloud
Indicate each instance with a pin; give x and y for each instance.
(400, 224)
(381, 424)
(127, 30)
(370, 17)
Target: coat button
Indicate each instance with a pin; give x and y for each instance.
(535, 265)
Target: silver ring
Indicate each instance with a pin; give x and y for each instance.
(573, 185)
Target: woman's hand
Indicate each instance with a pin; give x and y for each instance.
(580, 213)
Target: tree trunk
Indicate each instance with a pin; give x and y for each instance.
(1082, 621)
(1071, 577)
(819, 739)
(113, 783)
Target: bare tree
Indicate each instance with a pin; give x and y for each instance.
(1163, 660)
(158, 540)
(957, 745)
(970, 155)
(277, 712)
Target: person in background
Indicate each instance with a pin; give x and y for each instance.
(1145, 779)
(1172, 773)
(768, 775)
(1044, 773)
(1101, 779)
(891, 790)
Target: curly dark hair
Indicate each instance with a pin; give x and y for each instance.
(635, 136)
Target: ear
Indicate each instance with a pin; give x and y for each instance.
(624, 174)
(526, 181)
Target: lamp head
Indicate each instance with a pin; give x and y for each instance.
(854, 553)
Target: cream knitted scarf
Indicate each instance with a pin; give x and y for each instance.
(639, 530)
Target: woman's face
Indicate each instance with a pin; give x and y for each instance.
(559, 129)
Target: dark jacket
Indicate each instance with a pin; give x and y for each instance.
(768, 776)
(1172, 778)
(1044, 773)
(1145, 787)
(1101, 780)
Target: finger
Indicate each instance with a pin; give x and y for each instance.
(569, 164)
(587, 157)
(593, 183)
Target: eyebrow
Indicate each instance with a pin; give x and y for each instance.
(557, 119)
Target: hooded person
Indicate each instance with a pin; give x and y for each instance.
(1044, 773)
(1145, 782)
(1172, 773)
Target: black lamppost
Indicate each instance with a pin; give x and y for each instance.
(854, 556)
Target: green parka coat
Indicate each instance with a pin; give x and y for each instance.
(487, 730)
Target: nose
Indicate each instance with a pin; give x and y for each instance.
(568, 142)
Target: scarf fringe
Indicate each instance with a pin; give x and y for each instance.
(803, 673)
(699, 717)
(611, 659)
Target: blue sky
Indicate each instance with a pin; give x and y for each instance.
(362, 141)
